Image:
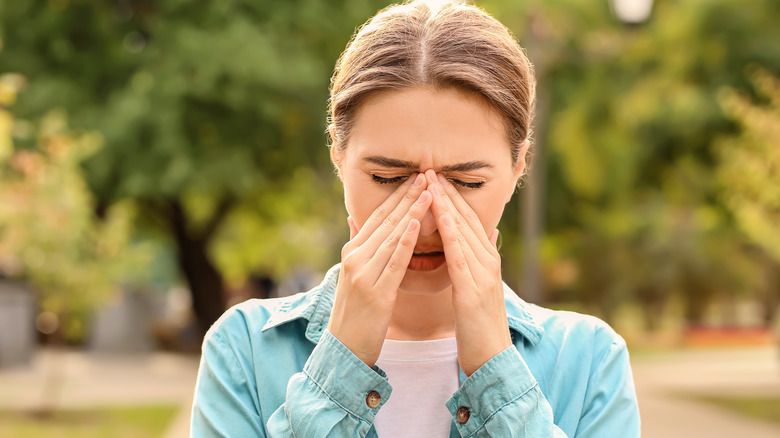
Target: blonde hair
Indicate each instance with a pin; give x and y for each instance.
(438, 44)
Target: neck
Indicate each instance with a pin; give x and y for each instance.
(422, 317)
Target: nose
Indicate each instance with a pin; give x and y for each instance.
(428, 224)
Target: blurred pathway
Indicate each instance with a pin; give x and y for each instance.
(661, 378)
(164, 378)
(89, 380)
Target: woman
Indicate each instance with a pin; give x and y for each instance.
(430, 113)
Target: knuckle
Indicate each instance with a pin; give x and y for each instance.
(346, 250)
(471, 216)
(406, 241)
(452, 238)
(393, 265)
(392, 240)
(379, 211)
(359, 282)
(461, 264)
(348, 262)
(390, 221)
(494, 266)
(491, 284)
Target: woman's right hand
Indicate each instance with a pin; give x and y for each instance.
(373, 263)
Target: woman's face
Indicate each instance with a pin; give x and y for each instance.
(398, 134)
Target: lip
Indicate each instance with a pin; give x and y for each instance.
(426, 260)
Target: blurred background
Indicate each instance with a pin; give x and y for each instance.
(162, 160)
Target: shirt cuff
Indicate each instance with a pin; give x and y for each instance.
(499, 382)
(345, 378)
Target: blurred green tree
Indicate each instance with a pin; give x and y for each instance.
(48, 233)
(206, 108)
(630, 145)
(212, 119)
(749, 173)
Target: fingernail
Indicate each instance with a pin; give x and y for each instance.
(418, 180)
(413, 225)
(442, 179)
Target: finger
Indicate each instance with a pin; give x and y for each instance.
(457, 263)
(380, 255)
(388, 214)
(442, 205)
(395, 268)
(465, 211)
(385, 226)
(352, 227)
(494, 239)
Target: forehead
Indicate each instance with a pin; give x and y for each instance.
(431, 127)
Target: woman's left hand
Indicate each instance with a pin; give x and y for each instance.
(474, 267)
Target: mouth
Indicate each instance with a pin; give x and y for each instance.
(426, 260)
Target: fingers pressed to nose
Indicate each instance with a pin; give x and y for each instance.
(428, 222)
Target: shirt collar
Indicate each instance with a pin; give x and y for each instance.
(315, 306)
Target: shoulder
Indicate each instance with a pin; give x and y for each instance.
(577, 339)
(247, 319)
(295, 315)
(557, 332)
(562, 323)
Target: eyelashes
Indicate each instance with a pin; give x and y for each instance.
(393, 180)
(400, 179)
(466, 184)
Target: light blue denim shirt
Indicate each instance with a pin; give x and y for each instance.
(270, 368)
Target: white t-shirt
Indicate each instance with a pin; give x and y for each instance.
(424, 375)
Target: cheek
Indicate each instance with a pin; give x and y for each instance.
(489, 206)
(362, 198)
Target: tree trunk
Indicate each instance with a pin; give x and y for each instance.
(770, 295)
(204, 280)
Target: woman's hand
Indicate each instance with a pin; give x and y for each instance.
(373, 263)
(474, 267)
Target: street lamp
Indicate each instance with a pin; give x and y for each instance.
(632, 12)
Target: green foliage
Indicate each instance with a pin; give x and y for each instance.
(632, 198)
(750, 162)
(219, 107)
(304, 228)
(214, 98)
(48, 233)
(208, 104)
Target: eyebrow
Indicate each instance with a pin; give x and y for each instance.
(408, 165)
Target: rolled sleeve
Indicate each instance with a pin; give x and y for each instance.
(504, 400)
(345, 378)
(329, 397)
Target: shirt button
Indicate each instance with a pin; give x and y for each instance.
(373, 399)
(463, 414)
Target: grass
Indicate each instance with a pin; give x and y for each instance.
(762, 408)
(118, 422)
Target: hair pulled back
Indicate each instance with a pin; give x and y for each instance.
(438, 44)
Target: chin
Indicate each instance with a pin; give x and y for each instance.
(426, 282)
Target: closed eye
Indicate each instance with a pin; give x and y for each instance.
(466, 184)
(402, 178)
(392, 180)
